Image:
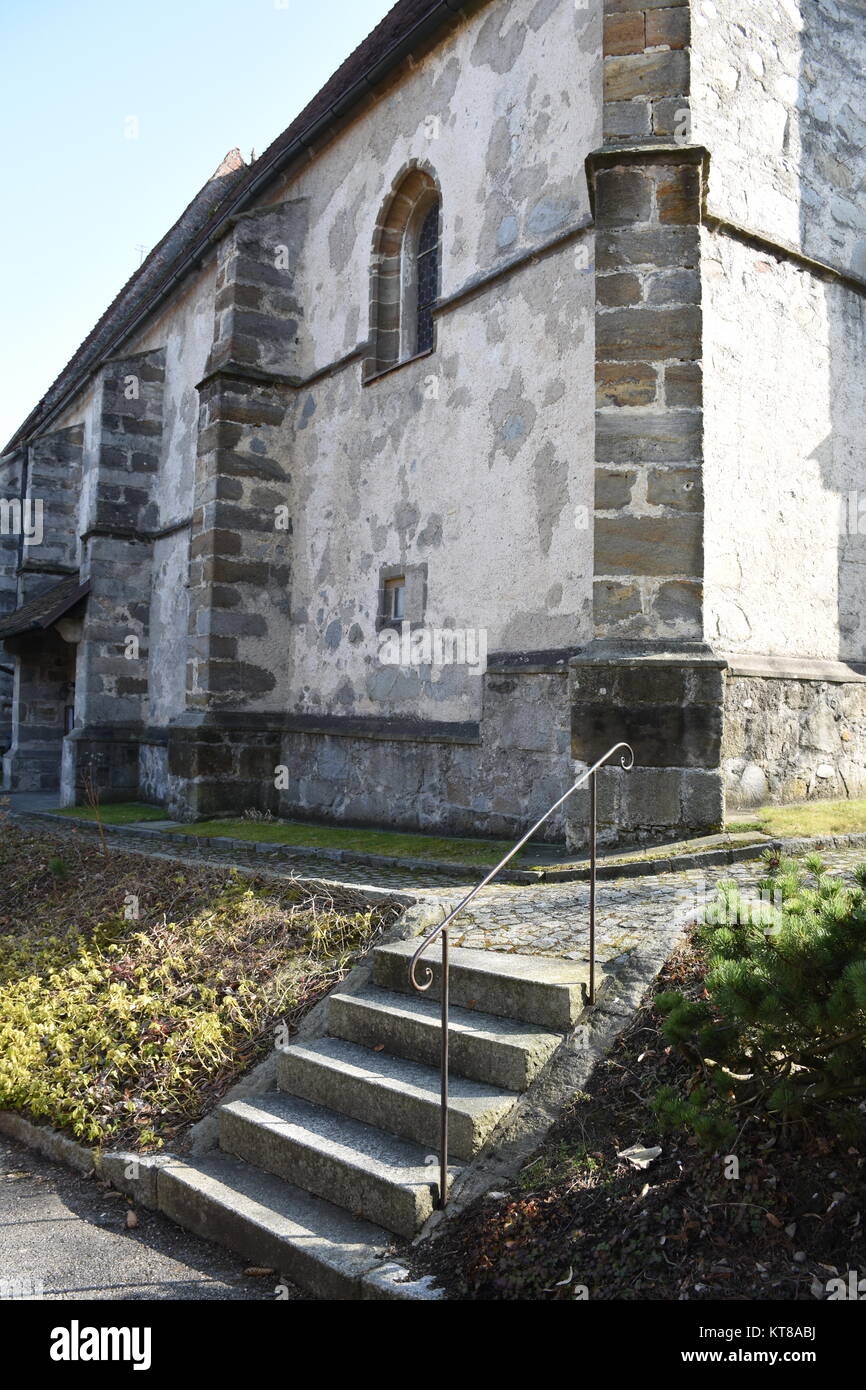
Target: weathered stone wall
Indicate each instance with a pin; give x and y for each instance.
(668, 708)
(489, 778)
(44, 667)
(116, 558)
(44, 672)
(787, 739)
(152, 539)
(646, 70)
(648, 430)
(54, 481)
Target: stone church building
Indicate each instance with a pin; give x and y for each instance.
(510, 404)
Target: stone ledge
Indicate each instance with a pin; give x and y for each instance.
(795, 669)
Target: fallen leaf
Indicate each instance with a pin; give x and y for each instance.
(258, 1272)
(131, 1220)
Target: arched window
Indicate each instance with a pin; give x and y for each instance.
(405, 278)
(427, 274)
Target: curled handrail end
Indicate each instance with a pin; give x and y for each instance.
(626, 760)
(428, 978)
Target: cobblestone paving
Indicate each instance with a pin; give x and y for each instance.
(537, 919)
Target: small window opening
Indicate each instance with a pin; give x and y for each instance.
(395, 599)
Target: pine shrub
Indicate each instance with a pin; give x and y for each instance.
(781, 1026)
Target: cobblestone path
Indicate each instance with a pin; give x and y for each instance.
(535, 918)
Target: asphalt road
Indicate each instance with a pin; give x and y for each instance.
(65, 1236)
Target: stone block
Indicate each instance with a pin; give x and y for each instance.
(683, 385)
(613, 488)
(679, 604)
(624, 33)
(662, 735)
(679, 488)
(618, 290)
(674, 287)
(678, 195)
(622, 197)
(612, 7)
(625, 383)
(658, 74)
(651, 247)
(671, 436)
(649, 545)
(613, 603)
(627, 119)
(643, 333)
(670, 27)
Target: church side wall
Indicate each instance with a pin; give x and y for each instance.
(777, 100)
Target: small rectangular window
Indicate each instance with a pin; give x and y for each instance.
(402, 595)
(395, 599)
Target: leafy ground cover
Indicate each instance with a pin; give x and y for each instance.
(134, 992)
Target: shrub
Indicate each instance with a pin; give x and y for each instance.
(782, 1024)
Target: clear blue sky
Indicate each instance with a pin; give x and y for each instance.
(200, 76)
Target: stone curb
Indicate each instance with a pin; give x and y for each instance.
(642, 868)
(383, 1282)
(274, 851)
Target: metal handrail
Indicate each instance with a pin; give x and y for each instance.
(627, 762)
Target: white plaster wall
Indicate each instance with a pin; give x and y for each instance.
(484, 483)
(777, 97)
(185, 329)
(504, 111)
(490, 484)
(784, 428)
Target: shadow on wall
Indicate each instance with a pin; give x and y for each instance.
(832, 132)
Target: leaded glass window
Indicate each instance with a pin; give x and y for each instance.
(427, 278)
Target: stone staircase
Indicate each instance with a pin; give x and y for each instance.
(317, 1178)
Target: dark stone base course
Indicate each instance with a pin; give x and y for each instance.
(668, 707)
(222, 771)
(107, 760)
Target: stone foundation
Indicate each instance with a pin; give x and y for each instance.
(44, 677)
(789, 738)
(489, 778)
(107, 756)
(668, 707)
